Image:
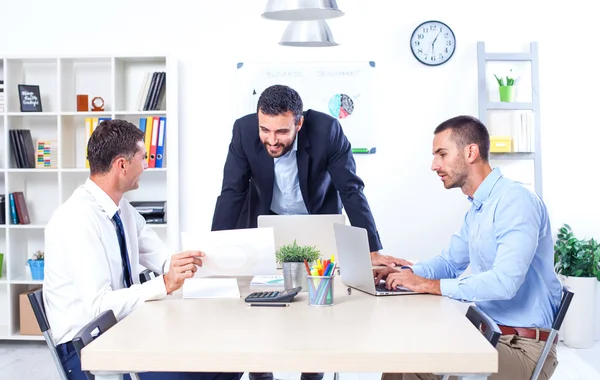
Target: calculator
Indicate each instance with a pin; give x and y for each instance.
(274, 296)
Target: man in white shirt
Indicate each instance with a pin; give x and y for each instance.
(96, 242)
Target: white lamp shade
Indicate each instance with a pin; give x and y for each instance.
(308, 34)
(301, 10)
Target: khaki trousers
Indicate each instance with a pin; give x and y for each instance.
(517, 358)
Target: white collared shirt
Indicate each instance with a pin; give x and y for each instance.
(83, 273)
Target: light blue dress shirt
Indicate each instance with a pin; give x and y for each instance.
(507, 239)
(287, 197)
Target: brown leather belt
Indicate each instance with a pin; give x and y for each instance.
(523, 332)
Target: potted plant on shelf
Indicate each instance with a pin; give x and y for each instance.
(578, 262)
(507, 87)
(292, 257)
(36, 264)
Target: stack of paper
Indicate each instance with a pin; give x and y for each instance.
(211, 288)
(273, 280)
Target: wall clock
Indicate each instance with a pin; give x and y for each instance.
(433, 43)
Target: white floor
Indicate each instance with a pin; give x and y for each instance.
(32, 361)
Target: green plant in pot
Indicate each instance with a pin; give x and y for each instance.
(506, 87)
(578, 260)
(292, 257)
(574, 257)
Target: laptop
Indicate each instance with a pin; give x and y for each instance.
(312, 230)
(357, 271)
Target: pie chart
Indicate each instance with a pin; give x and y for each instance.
(341, 106)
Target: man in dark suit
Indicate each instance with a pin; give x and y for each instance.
(282, 160)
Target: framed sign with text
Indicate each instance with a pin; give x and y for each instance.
(29, 98)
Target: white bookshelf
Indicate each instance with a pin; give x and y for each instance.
(118, 80)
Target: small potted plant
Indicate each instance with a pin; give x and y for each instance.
(578, 262)
(292, 257)
(507, 87)
(36, 264)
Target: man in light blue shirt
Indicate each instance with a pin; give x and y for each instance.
(507, 241)
(287, 197)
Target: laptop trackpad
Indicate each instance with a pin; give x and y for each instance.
(381, 287)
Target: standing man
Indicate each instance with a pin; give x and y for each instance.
(95, 243)
(507, 240)
(284, 161)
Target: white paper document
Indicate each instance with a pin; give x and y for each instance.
(270, 280)
(243, 252)
(211, 288)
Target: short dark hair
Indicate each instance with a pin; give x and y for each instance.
(468, 130)
(279, 99)
(112, 139)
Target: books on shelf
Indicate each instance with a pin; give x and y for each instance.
(523, 133)
(18, 208)
(155, 129)
(1, 95)
(152, 93)
(21, 145)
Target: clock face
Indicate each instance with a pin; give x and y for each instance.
(98, 102)
(433, 43)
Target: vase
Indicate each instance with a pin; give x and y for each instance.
(507, 93)
(578, 326)
(37, 269)
(294, 275)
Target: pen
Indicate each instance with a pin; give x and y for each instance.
(270, 304)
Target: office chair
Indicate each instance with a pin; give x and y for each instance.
(147, 275)
(485, 324)
(93, 330)
(567, 296)
(36, 299)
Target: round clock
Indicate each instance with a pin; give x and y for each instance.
(98, 104)
(433, 43)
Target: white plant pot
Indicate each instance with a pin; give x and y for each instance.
(597, 322)
(580, 322)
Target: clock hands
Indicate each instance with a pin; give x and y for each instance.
(433, 43)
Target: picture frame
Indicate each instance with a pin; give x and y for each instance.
(29, 98)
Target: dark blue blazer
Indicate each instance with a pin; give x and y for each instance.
(326, 171)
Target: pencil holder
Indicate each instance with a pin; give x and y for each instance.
(320, 290)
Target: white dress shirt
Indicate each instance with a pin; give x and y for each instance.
(287, 197)
(83, 274)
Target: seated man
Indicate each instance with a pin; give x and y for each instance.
(507, 240)
(95, 243)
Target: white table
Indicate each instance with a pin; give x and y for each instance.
(360, 333)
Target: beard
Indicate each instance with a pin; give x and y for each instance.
(282, 148)
(457, 177)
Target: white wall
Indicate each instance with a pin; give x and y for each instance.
(414, 213)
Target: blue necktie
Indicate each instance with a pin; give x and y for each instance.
(123, 245)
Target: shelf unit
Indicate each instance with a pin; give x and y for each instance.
(488, 105)
(118, 80)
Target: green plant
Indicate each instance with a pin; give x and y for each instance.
(575, 257)
(295, 253)
(38, 255)
(510, 80)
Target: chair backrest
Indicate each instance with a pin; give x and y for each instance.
(36, 299)
(147, 275)
(91, 331)
(485, 324)
(565, 302)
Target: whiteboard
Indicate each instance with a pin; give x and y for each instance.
(342, 90)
